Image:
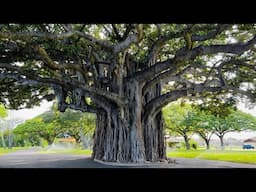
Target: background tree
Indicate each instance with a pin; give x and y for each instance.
(118, 70)
(52, 123)
(220, 107)
(75, 123)
(236, 121)
(177, 118)
(202, 124)
(36, 128)
(224, 117)
(86, 125)
(9, 125)
(3, 114)
(3, 111)
(243, 120)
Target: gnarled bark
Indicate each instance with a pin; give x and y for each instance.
(124, 135)
(118, 136)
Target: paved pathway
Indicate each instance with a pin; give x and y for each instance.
(32, 159)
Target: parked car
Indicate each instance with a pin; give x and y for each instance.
(248, 147)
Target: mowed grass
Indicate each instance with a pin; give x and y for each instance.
(226, 155)
(74, 151)
(232, 156)
(6, 150)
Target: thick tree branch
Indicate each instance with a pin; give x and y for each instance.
(67, 27)
(242, 92)
(236, 48)
(118, 36)
(104, 43)
(62, 82)
(184, 54)
(158, 44)
(24, 81)
(155, 105)
(212, 34)
(52, 65)
(132, 38)
(166, 76)
(27, 36)
(87, 108)
(156, 47)
(128, 29)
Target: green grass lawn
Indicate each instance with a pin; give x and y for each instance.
(226, 155)
(4, 151)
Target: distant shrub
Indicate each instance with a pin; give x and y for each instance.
(193, 144)
(172, 144)
(43, 143)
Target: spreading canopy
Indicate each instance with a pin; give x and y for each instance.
(42, 60)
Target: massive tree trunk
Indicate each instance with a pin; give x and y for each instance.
(153, 129)
(125, 135)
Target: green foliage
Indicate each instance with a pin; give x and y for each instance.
(175, 116)
(3, 111)
(239, 120)
(217, 105)
(50, 124)
(219, 115)
(34, 129)
(5, 151)
(76, 48)
(72, 122)
(43, 143)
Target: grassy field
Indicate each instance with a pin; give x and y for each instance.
(238, 156)
(4, 151)
(226, 155)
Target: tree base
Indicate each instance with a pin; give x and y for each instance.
(144, 163)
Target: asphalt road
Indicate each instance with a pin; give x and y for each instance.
(32, 159)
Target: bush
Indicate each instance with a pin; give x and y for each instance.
(193, 144)
(172, 144)
(43, 143)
